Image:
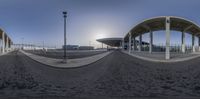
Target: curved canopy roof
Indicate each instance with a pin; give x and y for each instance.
(6, 35)
(115, 42)
(158, 23)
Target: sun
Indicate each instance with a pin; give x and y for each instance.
(101, 34)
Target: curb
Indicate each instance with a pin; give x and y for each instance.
(71, 63)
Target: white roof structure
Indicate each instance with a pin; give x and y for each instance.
(111, 41)
(158, 23)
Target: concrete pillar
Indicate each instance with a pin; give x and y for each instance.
(193, 46)
(140, 43)
(199, 43)
(133, 44)
(10, 43)
(150, 41)
(122, 44)
(183, 42)
(7, 43)
(3, 42)
(129, 46)
(167, 50)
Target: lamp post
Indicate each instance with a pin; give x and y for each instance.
(65, 57)
(22, 43)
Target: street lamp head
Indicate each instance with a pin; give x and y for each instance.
(64, 12)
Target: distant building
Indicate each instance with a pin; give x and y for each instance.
(71, 47)
(30, 47)
(23, 46)
(86, 48)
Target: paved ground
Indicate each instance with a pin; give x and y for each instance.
(58, 54)
(160, 56)
(116, 76)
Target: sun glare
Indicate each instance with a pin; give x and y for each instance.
(101, 34)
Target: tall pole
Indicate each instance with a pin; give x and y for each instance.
(43, 44)
(65, 57)
(22, 43)
(167, 30)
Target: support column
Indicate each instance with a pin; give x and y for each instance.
(129, 46)
(193, 39)
(150, 41)
(140, 43)
(10, 43)
(133, 44)
(6, 43)
(183, 42)
(199, 43)
(167, 50)
(122, 44)
(3, 42)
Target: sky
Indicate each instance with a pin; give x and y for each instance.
(38, 21)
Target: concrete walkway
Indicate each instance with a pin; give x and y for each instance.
(5, 53)
(71, 63)
(160, 57)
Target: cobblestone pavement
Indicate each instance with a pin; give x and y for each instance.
(116, 76)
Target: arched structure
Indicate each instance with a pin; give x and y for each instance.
(166, 23)
(6, 42)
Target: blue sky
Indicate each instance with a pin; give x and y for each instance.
(42, 20)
